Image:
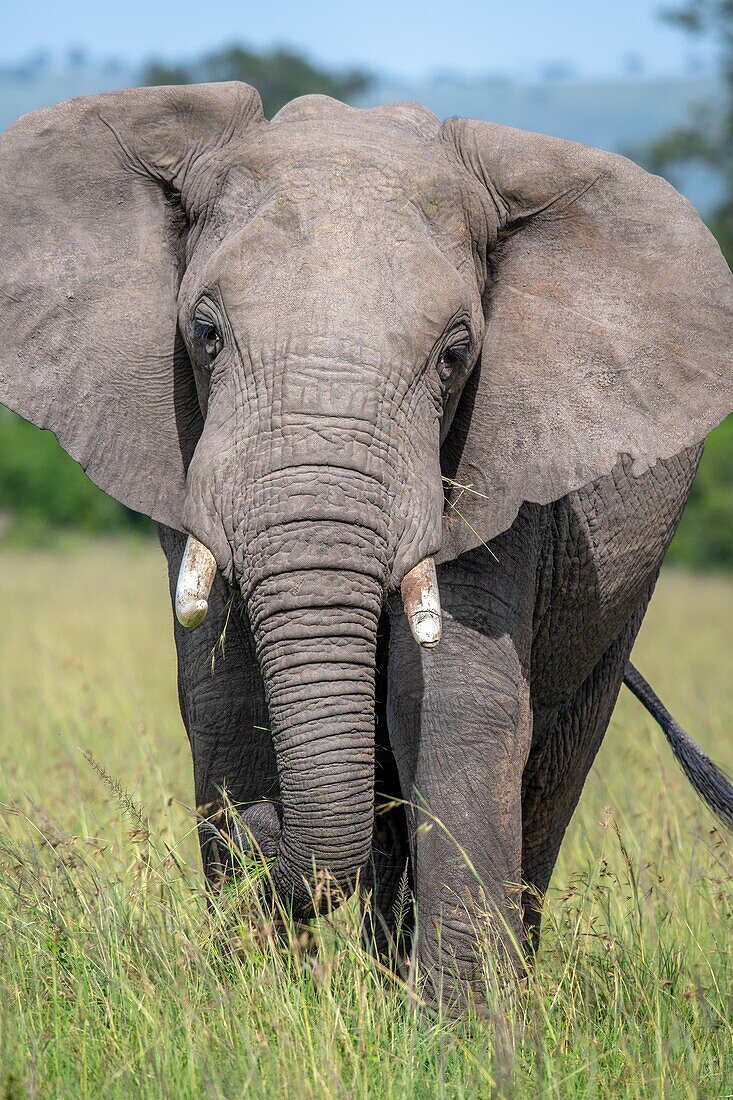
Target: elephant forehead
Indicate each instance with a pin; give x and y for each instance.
(350, 217)
(357, 224)
(355, 162)
(336, 274)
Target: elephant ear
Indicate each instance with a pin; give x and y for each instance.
(95, 200)
(609, 327)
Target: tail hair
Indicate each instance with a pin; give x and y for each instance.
(709, 780)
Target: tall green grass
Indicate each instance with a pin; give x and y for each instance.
(117, 981)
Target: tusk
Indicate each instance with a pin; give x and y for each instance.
(421, 600)
(195, 578)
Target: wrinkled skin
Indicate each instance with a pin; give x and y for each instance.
(332, 346)
(493, 733)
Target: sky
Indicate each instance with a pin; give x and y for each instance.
(410, 38)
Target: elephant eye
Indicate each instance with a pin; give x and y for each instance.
(452, 359)
(208, 338)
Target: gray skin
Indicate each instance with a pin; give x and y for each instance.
(330, 346)
(491, 735)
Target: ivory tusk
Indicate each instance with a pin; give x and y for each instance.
(421, 600)
(195, 578)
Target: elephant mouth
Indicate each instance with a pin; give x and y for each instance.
(419, 589)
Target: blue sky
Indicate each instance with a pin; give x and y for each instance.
(404, 37)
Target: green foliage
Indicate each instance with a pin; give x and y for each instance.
(279, 75)
(116, 980)
(42, 490)
(704, 537)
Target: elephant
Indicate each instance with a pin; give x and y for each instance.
(416, 407)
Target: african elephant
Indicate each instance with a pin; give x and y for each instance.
(337, 349)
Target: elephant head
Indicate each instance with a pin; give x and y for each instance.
(334, 348)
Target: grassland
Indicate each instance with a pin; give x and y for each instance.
(113, 981)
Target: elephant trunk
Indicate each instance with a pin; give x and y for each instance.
(313, 552)
(315, 630)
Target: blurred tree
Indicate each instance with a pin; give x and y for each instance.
(42, 489)
(704, 538)
(708, 137)
(705, 535)
(279, 75)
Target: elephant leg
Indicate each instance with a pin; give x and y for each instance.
(387, 884)
(224, 711)
(386, 889)
(460, 725)
(566, 743)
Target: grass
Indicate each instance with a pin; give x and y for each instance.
(113, 980)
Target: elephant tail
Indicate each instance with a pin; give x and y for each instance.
(710, 782)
